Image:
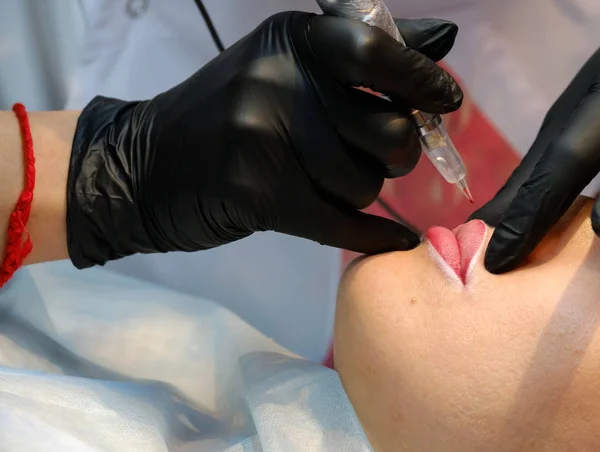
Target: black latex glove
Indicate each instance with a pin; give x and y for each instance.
(268, 136)
(564, 158)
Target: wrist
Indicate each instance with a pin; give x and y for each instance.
(12, 172)
(51, 133)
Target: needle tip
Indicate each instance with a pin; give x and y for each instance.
(464, 188)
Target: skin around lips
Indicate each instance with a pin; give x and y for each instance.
(512, 364)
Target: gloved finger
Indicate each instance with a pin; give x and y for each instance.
(375, 127)
(569, 163)
(369, 57)
(332, 225)
(434, 38)
(492, 211)
(368, 234)
(596, 217)
(337, 140)
(552, 126)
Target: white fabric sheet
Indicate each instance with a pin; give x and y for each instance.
(96, 361)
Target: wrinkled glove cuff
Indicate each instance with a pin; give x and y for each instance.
(103, 220)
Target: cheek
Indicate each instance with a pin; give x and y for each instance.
(453, 364)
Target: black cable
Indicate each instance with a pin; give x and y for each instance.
(219, 44)
(395, 215)
(211, 27)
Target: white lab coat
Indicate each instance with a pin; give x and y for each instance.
(513, 57)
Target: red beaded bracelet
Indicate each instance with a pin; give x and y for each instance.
(19, 243)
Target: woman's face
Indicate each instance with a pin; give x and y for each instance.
(437, 354)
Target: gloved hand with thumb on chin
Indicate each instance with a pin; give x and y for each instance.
(269, 136)
(562, 161)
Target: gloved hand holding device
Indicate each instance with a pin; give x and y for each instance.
(562, 161)
(270, 135)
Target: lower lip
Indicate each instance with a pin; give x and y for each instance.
(458, 249)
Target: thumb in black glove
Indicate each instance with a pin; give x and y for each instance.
(562, 161)
(270, 135)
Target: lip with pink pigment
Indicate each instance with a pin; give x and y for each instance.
(457, 250)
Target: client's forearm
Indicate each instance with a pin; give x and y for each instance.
(52, 134)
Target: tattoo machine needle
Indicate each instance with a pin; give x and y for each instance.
(435, 142)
